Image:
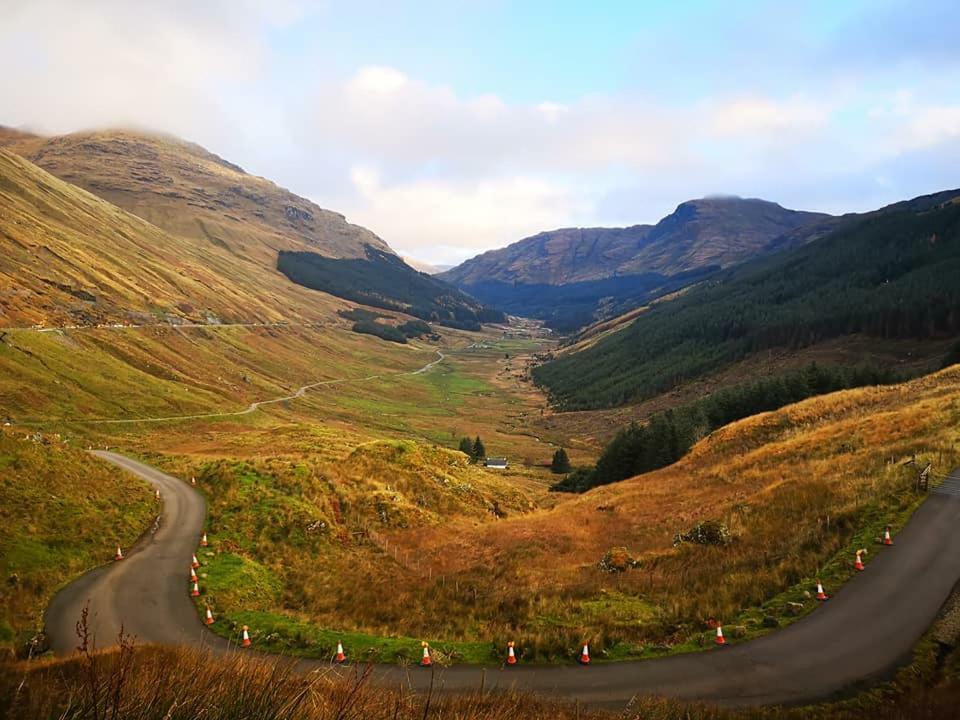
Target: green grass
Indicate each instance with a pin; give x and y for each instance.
(62, 512)
(288, 635)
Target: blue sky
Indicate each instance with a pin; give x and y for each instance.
(453, 127)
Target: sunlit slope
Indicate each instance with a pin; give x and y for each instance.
(186, 190)
(772, 479)
(62, 511)
(68, 257)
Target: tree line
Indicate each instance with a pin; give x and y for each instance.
(892, 275)
(668, 435)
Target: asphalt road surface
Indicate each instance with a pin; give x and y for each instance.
(866, 630)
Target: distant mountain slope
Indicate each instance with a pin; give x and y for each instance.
(718, 231)
(892, 273)
(193, 194)
(626, 266)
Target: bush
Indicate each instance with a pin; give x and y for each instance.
(384, 332)
(709, 532)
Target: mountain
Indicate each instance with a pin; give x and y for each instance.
(243, 221)
(887, 274)
(69, 257)
(423, 267)
(717, 231)
(604, 271)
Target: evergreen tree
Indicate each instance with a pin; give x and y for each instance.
(560, 463)
(479, 451)
(466, 447)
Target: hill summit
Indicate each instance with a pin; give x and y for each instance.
(572, 276)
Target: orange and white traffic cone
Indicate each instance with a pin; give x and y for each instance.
(511, 656)
(340, 657)
(858, 563)
(209, 619)
(194, 563)
(246, 637)
(720, 639)
(887, 540)
(821, 595)
(193, 575)
(426, 660)
(119, 555)
(585, 655)
(203, 541)
(195, 590)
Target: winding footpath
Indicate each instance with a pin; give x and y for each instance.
(862, 634)
(254, 406)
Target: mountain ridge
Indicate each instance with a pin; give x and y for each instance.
(565, 255)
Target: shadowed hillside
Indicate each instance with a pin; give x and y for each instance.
(889, 274)
(573, 276)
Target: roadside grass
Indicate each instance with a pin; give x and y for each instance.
(62, 512)
(799, 489)
(158, 683)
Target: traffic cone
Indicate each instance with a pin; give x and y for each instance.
(426, 661)
(193, 481)
(195, 591)
(203, 541)
(193, 575)
(209, 619)
(821, 595)
(585, 655)
(119, 555)
(887, 540)
(340, 657)
(720, 639)
(858, 563)
(157, 495)
(246, 637)
(511, 656)
(194, 563)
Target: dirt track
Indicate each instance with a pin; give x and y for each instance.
(862, 634)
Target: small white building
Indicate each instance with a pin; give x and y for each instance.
(496, 463)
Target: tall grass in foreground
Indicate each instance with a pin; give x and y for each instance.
(165, 683)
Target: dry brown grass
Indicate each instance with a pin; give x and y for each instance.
(157, 683)
(795, 486)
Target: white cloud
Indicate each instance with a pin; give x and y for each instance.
(377, 81)
(441, 173)
(766, 115)
(448, 222)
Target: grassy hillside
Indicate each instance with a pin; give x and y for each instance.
(71, 258)
(240, 228)
(62, 511)
(463, 575)
(889, 276)
(188, 191)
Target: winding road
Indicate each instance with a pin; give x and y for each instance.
(862, 634)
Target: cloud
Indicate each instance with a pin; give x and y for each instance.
(452, 221)
(764, 115)
(441, 166)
